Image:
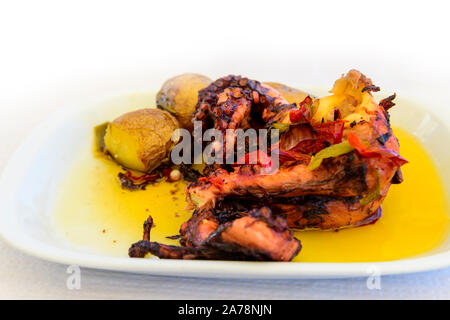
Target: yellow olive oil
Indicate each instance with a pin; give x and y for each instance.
(93, 212)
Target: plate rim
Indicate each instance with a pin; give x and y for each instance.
(20, 158)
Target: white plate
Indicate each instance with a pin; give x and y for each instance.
(28, 183)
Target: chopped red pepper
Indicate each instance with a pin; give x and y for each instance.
(256, 157)
(374, 152)
(334, 129)
(325, 134)
(285, 156)
(303, 113)
(311, 146)
(216, 181)
(144, 177)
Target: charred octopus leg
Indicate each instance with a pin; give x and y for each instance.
(257, 235)
(343, 176)
(235, 102)
(141, 248)
(309, 212)
(325, 213)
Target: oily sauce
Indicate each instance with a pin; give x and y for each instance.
(93, 212)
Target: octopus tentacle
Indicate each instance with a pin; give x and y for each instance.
(306, 212)
(258, 235)
(235, 102)
(198, 228)
(141, 248)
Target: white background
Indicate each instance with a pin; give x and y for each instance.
(52, 52)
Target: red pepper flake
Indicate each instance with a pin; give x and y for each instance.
(130, 182)
(166, 172)
(144, 177)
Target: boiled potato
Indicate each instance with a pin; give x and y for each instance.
(178, 95)
(141, 139)
(292, 95)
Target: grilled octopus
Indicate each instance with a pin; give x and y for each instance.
(256, 235)
(235, 102)
(345, 181)
(242, 213)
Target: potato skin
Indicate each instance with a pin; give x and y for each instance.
(179, 94)
(292, 95)
(141, 139)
